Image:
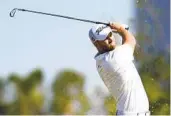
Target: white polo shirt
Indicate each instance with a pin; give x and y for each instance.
(117, 70)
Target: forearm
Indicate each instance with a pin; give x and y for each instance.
(126, 36)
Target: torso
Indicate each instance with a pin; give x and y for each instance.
(120, 75)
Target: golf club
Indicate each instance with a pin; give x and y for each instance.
(12, 14)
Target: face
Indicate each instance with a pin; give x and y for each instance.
(108, 44)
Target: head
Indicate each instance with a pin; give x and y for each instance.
(102, 38)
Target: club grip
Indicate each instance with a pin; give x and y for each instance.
(123, 25)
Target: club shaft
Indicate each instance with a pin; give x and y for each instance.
(12, 13)
(55, 15)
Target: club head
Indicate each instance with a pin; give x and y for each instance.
(12, 13)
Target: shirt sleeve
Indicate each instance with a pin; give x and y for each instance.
(125, 53)
(128, 49)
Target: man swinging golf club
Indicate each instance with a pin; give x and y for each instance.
(117, 70)
(115, 66)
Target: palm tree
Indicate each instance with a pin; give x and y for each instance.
(29, 100)
(68, 94)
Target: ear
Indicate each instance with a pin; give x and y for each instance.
(96, 43)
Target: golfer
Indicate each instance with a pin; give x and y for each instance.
(117, 70)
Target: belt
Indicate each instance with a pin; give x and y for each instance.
(123, 113)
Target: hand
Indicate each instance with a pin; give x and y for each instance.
(115, 26)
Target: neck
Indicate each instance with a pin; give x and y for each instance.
(101, 51)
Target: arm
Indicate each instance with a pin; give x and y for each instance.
(128, 37)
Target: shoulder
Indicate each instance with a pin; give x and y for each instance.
(100, 56)
(124, 52)
(126, 48)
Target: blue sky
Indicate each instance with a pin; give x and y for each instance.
(28, 40)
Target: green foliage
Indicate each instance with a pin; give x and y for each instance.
(67, 87)
(152, 88)
(70, 98)
(28, 100)
(155, 74)
(110, 105)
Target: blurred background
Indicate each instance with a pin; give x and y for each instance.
(47, 64)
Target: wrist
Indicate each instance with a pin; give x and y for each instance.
(121, 30)
(116, 26)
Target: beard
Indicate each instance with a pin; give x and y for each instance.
(109, 48)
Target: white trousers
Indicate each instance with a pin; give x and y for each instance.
(122, 113)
